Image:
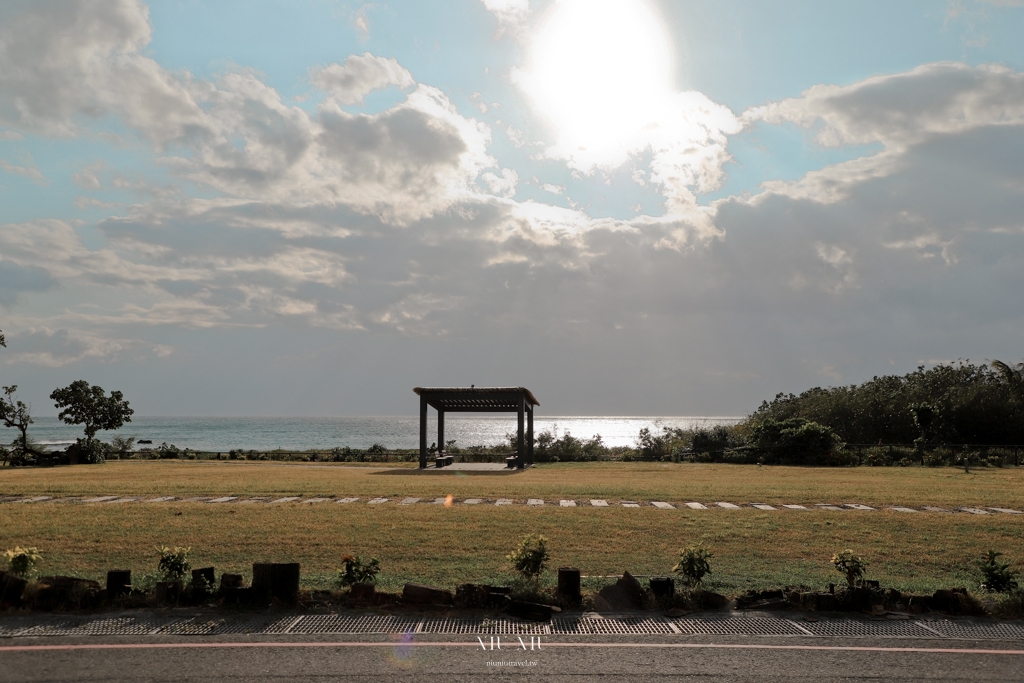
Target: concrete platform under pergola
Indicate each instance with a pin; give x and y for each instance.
(517, 400)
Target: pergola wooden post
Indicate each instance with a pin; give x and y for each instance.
(479, 400)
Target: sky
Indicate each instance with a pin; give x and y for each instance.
(631, 207)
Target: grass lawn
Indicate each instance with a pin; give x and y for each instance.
(912, 486)
(447, 546)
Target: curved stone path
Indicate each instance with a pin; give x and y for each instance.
(531, 502)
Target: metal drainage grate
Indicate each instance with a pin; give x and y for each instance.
(629, 626)
(861, 629)
(335, 623)
(969, 630)
(483, 626)
(208, 627)
(125, 626)
(738, 627)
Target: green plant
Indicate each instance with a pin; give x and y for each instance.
(91, 407)
(998, 576)
(16, 414)
(694, 564)
(851, 565)
(174, 562)
(357, 571)
(22, 561)
(122, 446)
(531, 557)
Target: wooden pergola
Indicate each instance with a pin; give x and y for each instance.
(479, 400)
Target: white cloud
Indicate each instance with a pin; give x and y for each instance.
(28, 170)
(88, 178)
(360, 75)
(57, 348)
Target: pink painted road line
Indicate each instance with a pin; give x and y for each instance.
(511, 647)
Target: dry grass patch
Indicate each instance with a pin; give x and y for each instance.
(447, 546)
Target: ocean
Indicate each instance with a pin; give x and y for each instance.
(221, 434)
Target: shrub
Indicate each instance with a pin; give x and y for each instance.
(174, 562)
(851, 565)
(357, 571)
(168, 452)
(694, 564)
(377, 449)
(998, 576)
(22, 561)
(797, 441)
(531, 557)
(122, 446)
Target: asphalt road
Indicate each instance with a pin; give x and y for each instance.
(454, 659)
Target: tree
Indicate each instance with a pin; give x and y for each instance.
(89, 406)
(1012, 376)
(16, 414)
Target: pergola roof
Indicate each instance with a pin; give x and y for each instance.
(470, 399)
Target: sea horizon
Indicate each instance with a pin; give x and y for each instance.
(222, 434)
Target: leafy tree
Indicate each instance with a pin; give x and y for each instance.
(91, 407)
(3, 342)
(16, 414)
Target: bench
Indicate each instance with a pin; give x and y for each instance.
(511, 461)
(444, 460)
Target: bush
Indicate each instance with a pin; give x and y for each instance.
(377, 449)
(22, 561)
(357, 571)
(998, 576)
(694, 564)
(165, 452)
(852, 566)
(174, 562)
(531, 557)
(797, 441)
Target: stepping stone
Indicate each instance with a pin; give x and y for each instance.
(346, 500)
(224, 499)
(567, 503)
(696, 506)
(630, 504)
(902, 509)
(857, 506)
(437, 501)
(472, 501)
(250, 501)
(504, 501)
(409, 501)
(161, 499)
(662, 505)
(599, 503)
(196, 499)
(762, 506)
(122, 500)
(826, 506)
(794, 507)
(377, 501)
(99, 499)
(35, 499)
(1007, 511)
(534, 501)
(976, 511)
(931, 508)
(310, 501)
(728, 506)
(285, 500)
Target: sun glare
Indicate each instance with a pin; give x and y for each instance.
(599, 70)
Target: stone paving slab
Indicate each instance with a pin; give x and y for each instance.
(794, 507)
(99, 499)
(728, 506)
(223, 499)
(1007, 511)
(567, 503)
(345, 501)
(439, 501)
(409, 501)
(696, 506)
(34, 499)
(932, 508)
(534, 501)
(121, 500)
(661, 505)
(902, 509)
(826, 506)
(504, 501)
(629, 504)
(857, 506)
(285, 500)
(472, 501)
(161, 499)
(597, 503)
(975, 511)
(310, 501)
(252, 501)
(377, 501)
(762, 506)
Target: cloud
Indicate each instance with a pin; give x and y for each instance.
(360, 75)
(29, 170)
(88, 178)
(57, 348)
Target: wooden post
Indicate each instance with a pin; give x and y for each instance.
(440, 432)
(529, 435)
(520, 446)
(423, 432)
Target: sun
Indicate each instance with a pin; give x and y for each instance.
(599, 70)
